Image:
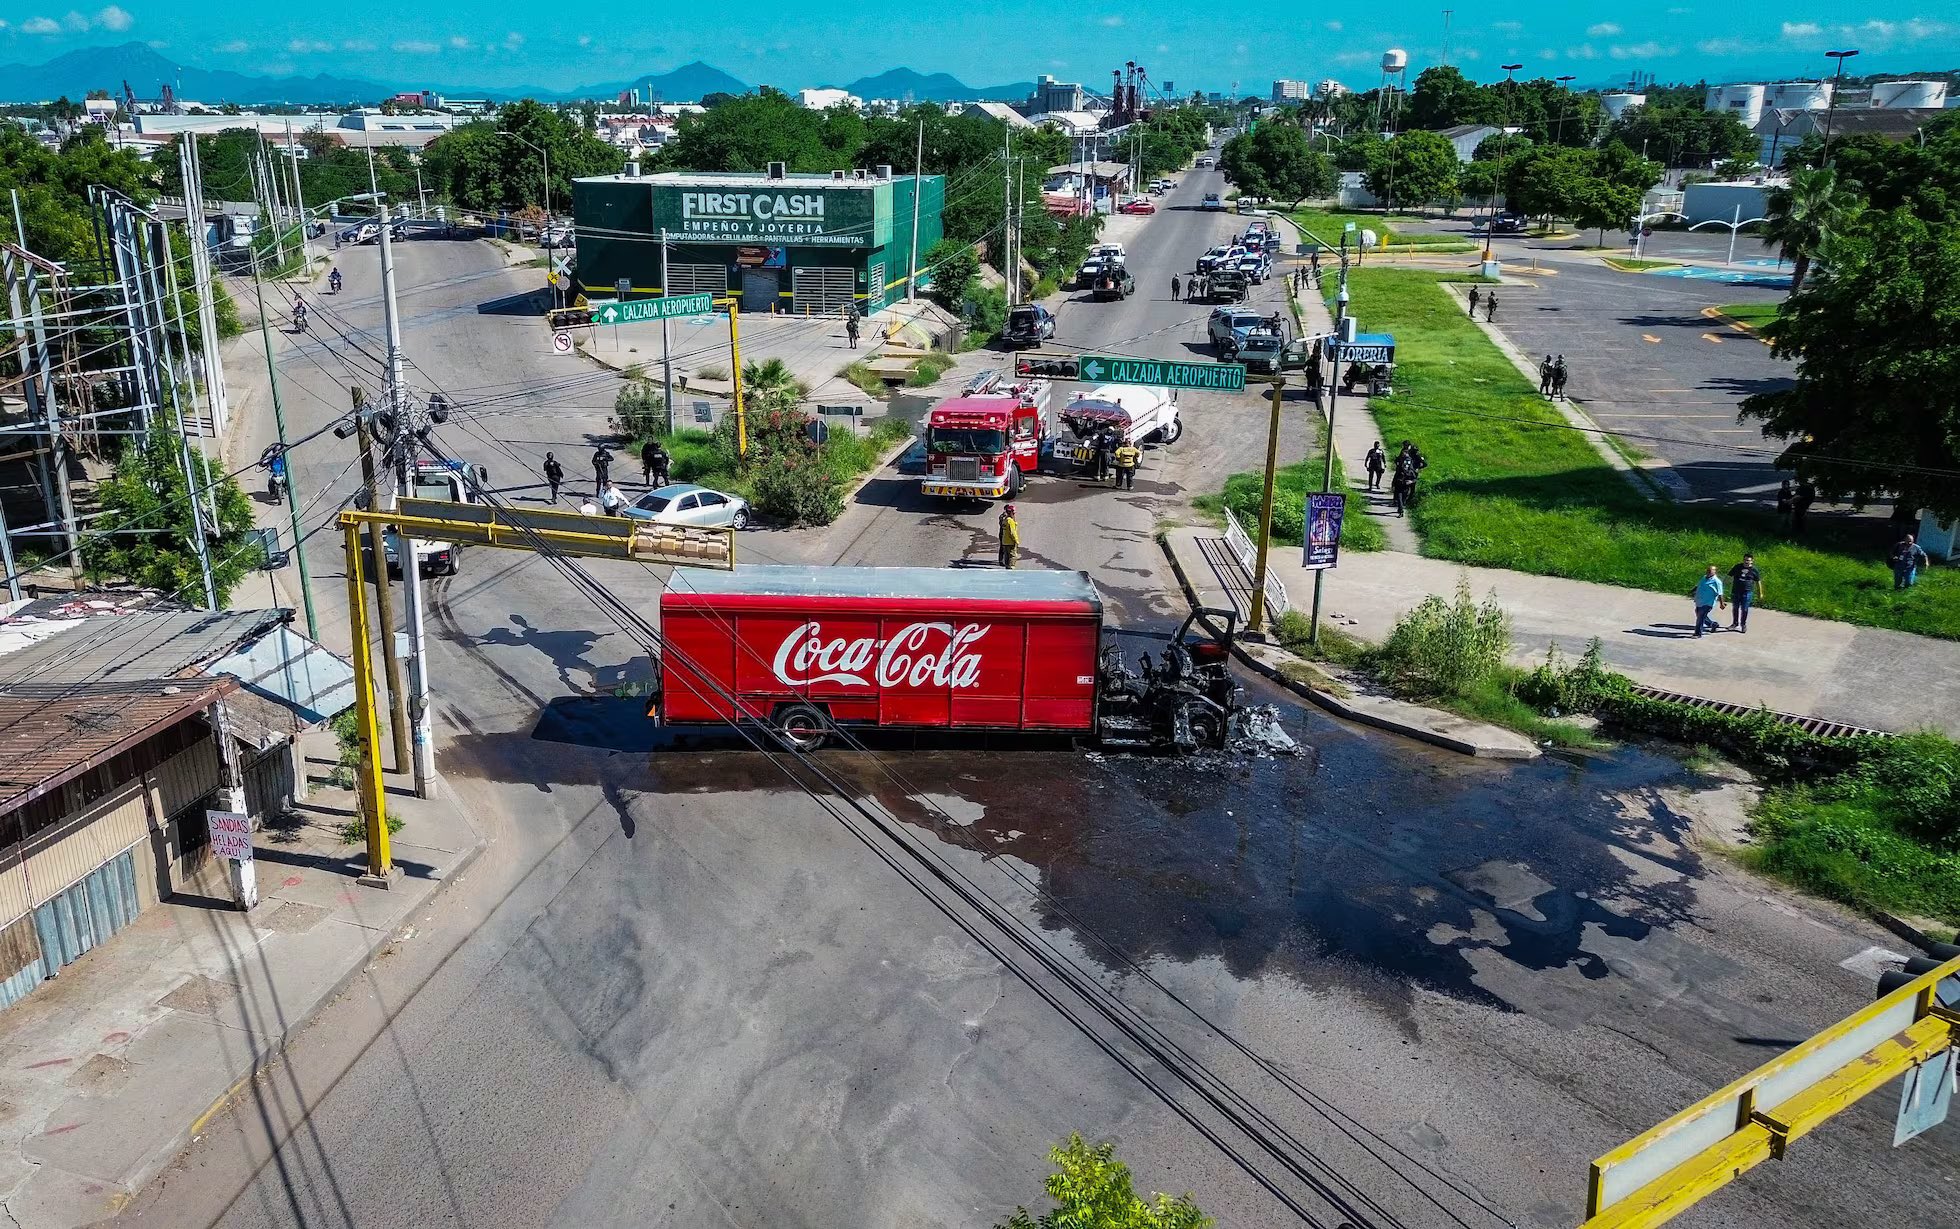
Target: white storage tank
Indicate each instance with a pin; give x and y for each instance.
(1745, 102)
(1908, 95)
(1617, 105)
(1394, 60)
(1800, 95)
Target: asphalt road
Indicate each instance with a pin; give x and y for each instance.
(679, 990)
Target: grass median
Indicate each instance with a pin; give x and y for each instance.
(1326, 225)
(1511, 485)
(1244, 492)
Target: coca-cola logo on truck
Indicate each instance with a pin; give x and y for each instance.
(917, 655)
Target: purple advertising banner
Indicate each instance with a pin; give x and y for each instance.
(1323, 535)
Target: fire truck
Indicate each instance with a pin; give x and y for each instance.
(808, 651)
(983, 443)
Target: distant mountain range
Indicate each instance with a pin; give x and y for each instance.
(688, 83)
(935, 87)
(77, 72)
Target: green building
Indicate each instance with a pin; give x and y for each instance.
(798, 243)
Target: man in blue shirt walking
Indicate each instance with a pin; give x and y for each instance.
(1708, 595)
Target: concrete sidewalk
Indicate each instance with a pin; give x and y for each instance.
(1860, 676)
(114, 1066)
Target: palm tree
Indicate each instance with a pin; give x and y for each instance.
(1804, 215)
(770, 384)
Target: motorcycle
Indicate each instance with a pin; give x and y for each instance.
(273, 460)
(299, 322)
(333, 282)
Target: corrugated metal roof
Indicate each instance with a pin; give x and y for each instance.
(288, 684)
(133, 645)
(52, 733)
(967, 584)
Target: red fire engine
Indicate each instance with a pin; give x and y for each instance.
(984, 443)
(805, 650)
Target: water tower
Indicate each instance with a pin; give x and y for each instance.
(1388, 105)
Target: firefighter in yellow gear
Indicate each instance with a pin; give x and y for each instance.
(1010, 537)
(1128, 457)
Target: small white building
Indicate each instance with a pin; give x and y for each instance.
(1618, 104)
(1327, 87)
(997, 111)
(1285, 90)
(1465, 138)
(824, 100)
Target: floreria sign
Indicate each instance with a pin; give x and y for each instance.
(785, 217)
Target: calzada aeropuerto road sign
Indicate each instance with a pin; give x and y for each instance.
(655, 309)
(1109, 369)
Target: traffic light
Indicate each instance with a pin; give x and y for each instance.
(1049, 366)
(1918, 967)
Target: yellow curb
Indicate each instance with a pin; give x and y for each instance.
(1716, 313)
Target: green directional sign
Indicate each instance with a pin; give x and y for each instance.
(1110, 369)
(655, 309)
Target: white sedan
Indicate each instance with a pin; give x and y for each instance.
(687, 504)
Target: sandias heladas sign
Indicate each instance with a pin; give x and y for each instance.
(790, 215)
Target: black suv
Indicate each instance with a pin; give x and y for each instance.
(1028, 324)
(1114, 282)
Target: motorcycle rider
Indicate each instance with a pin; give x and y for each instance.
(274, 462)
(299, 314)
(333, 280)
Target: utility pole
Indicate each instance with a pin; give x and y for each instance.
(1007, 266)
(1333, 386)
(292, 490)
(1257, 622)
(299, 201)
(666, 344)
(384, 593)
(420, 718)
(918, 178)
(207, 316)
(735, 377)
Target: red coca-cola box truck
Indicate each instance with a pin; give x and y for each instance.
(802, 648)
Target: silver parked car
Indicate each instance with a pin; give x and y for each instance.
(687, 504)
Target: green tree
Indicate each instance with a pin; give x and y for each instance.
(147, 533)
(1875, 408)
(1277, 162)
(1443, 97)
(1092, 1190)
(498, 163)
(1802, 216)
(1683, 135)
(955, 268)
(769, 384)
(1420, 167)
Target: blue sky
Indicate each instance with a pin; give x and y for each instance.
(502, 43)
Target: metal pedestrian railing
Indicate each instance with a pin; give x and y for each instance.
(1248, 557)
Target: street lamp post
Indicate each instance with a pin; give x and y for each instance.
(1734, 225)
(1504, 132)
(1558, 130)
(1830, 111)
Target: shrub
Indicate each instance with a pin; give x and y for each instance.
(928, 370)
(1448, 648)
(640, 410)
(1554, 688)
(797, 490)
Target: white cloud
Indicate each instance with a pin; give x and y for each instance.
(1801, 29)
(114, 18)
(1547, 53)
(1356, 57)
(1507, 27)
(1163, 48)
(1584, 51)
(458, 43)
(356, 44)
(1335, 26)
(1641, 51)
(40, 25)
(1604, 29)
(1111, 21)
(513, 41)
(585, 40)
(417, 46)
(1724, 46)
(1471, 53)
(75, 21)
(308, 46)
(237, 46)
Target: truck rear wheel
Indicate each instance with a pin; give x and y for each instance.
(1174, 429)
(804, 727)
